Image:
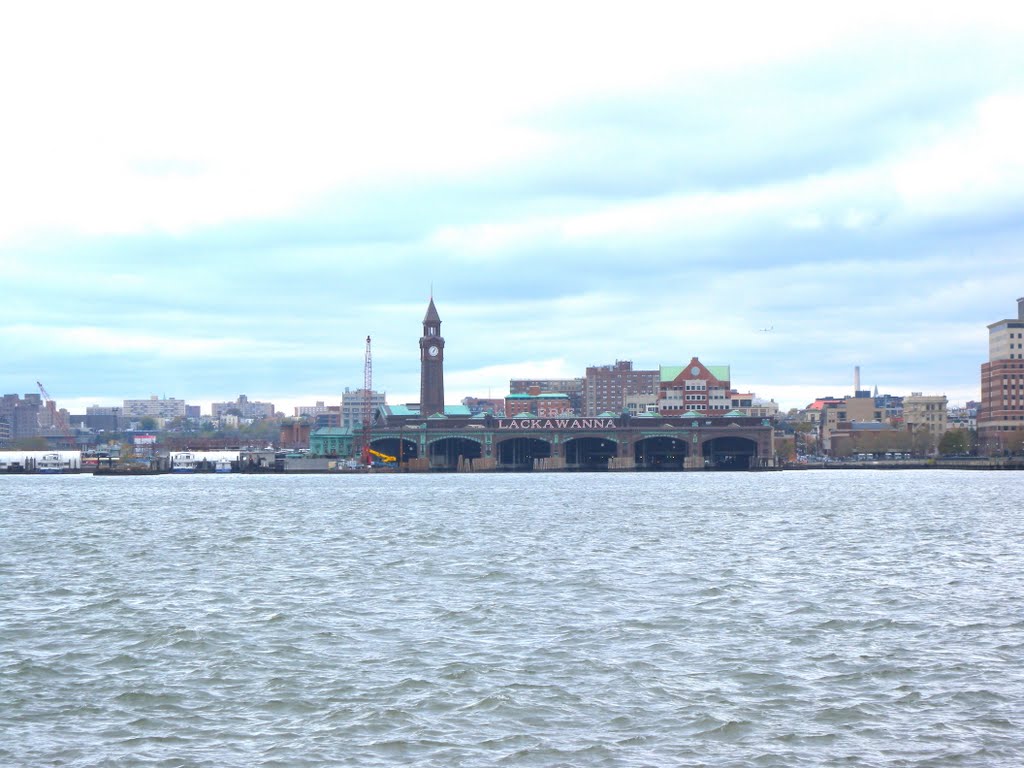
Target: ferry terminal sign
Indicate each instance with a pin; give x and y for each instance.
(548, 424)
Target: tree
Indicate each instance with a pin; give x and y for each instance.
(955, 442)
(148, 423)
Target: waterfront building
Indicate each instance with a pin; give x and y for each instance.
(573, 388)
(1002, 384)
(430, 436)
(606, 387)
(332, 441)
(694, 388)
(165, 408)
(926, 413)
(246, 408)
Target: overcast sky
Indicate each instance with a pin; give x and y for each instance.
(199, 200)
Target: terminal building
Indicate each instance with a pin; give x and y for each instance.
(430, 436)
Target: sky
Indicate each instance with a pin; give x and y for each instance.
(200, 200)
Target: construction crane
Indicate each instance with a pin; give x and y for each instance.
(58, 417)
(367, 404)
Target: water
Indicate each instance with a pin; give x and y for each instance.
(800, 618)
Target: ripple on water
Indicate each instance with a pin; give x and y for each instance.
(677, 619)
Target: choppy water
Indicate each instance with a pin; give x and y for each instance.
(814, 618)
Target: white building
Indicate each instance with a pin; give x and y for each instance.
(352, 402)
(155, 407)
(247, 409)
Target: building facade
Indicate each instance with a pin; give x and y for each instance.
(154, 407)
(606, 387)
(537, 403)
(21, 415)
(1002, 384)
(352, 404)
(694, 387)
(573, 388)
(247, 409)
(926, 413)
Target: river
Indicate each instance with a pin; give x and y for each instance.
(867, 618)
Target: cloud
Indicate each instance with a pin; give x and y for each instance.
(236, 204)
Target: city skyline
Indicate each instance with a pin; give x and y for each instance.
(791, 196)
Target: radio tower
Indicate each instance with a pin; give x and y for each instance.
(367, 402)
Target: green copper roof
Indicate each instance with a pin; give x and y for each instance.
(436, 416)
(720, 372)
(692, 415)
(608, 415)
(331, 432)
(671, 372)
(733, 414)
(523, 415)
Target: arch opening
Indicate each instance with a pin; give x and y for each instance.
(661, 453)
(589, 453)
(453, 453)
(518, 454)
(730, 453)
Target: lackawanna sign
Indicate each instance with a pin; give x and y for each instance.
(557, 423)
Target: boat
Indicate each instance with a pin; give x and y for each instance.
(222, 466)
(183, 462)
(51, 464)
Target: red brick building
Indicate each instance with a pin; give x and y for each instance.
(696, 387)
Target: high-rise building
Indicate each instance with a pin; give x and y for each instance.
(21, 415)
(1002, 384)
(352, 404)
(605, 387)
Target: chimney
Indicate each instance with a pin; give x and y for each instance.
(856, 380)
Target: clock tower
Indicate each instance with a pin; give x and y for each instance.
(431, 364)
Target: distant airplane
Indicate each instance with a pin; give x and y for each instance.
(769, 329)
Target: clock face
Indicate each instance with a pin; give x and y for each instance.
(694, 371)
(432, 351)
